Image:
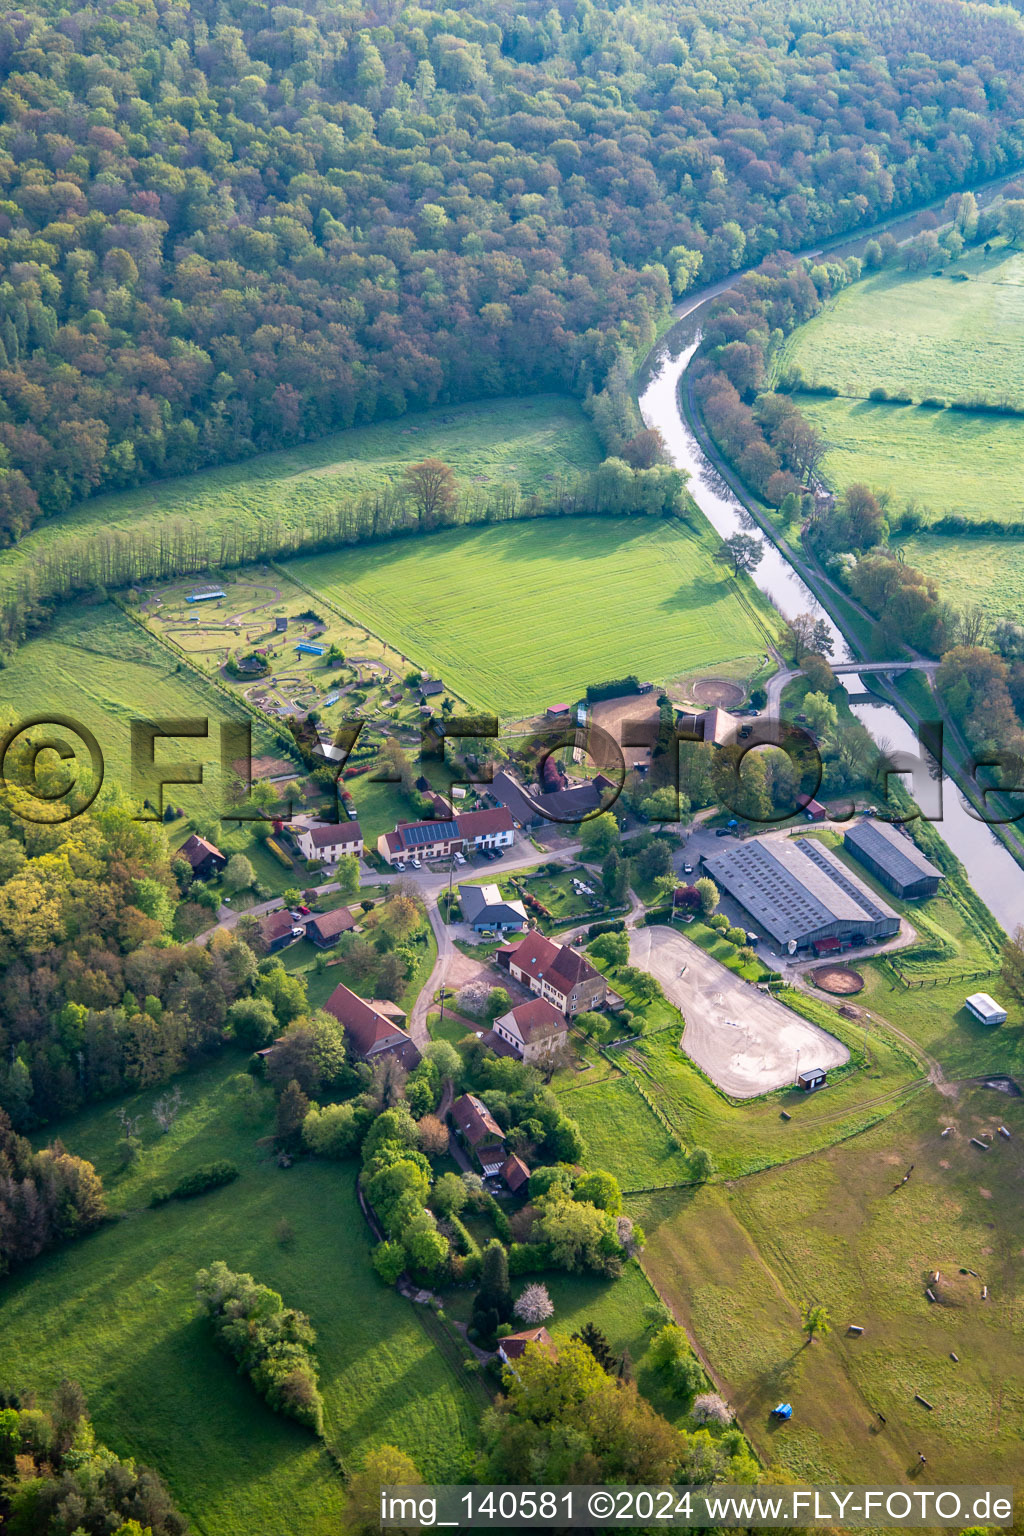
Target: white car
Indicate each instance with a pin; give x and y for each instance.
(416, 864)
(459, 859)
(687, 869)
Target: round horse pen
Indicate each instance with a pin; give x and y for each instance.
(840, 980)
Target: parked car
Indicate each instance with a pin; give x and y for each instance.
(723, 832)
(460, 858)
(752, 939)
(498, 853)
(416, 863)
(304, 911)
(687, 869)
(298, 933)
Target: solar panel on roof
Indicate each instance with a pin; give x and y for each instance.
(429, 832)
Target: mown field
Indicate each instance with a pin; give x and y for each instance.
(526, 441)
(116, 1312)
(739, 1262)
(519, 616)
(930, 335)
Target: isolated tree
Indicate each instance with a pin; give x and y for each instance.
(386, 1466)
(702, 1164)
(292, 1109)
(348, 876)
(742, 551)
(818, 673)
(707, 892)
(810, 634)
(815, 1320)
(597, 1342)
(492, 1304)
(498, 1002)
(430, 486)
(239, 874)
(1011, 220)
(533, 1306)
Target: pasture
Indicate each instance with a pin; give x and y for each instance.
(115, 1311)
(840, 1229)
(529, 442)
(988, 572)
(517, 616)
(931, 335)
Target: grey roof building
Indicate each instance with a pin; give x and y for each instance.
(801, 893)
(483, 906)
(893, 858)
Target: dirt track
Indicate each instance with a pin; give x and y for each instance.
(745, 1041)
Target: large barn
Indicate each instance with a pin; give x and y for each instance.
(893, 858)
(801, 894)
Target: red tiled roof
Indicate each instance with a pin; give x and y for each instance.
(363, 1024)
(537, 1018)
(327, 924)
(273, 925)
(485, 823)
(326, 837)
(515, 1173)
(557, 964)
(475, 1120)
(513, 1345)
(195, 849)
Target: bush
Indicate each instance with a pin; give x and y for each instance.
(933, 403)
(210, 1176)
(719, 921)
(736, 936)
(879, 393)
(528, 1258)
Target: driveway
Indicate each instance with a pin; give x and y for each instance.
(747, 1042)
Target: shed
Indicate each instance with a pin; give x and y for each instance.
(305, 649)
(893, 858)
(815, 811)
(205, 597)
(985, 1009)
(814, 1077)
(281, 624)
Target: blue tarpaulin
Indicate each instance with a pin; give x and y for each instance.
(783, 1411)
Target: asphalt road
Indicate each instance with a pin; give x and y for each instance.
(743, 1039)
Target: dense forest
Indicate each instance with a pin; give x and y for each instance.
(227, 227)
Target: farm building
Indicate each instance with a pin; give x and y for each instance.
(278, 929)
(329, 843)
(557, 712)
(893, 858)
(985, 1009)
(327, 927)
(204, 857)
(430, 687)
(554, 972)
(205, 597)
(801, 894)
(484, 908)
(373, 1027)
(534, 1030)
(815, 811)
(281, 625)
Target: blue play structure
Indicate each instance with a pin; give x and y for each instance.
(204, 597)
(783, 1411)
(310, 650)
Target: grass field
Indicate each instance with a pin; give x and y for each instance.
(988, 572)
(115, 1311)
(932, 336)
(624, 1136)
(517, 616)
(739, 1262)
(488, 441)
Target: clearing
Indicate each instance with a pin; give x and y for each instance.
(519, 615)
(747, 1042)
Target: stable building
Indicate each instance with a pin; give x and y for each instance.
(802, 895)
(893, 858)
(985, 1009)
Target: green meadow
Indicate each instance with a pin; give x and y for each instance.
(525, 441)
(116, 1312)
(988, 572)
(930, 334)
(521, 615)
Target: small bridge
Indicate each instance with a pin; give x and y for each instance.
(838, 667)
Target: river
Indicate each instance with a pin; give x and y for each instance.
(992, 870)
